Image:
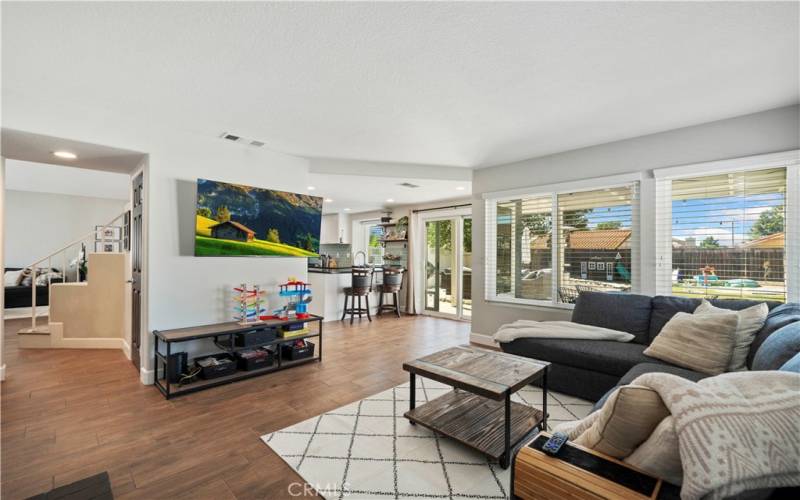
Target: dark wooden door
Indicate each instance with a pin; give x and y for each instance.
(136, 269)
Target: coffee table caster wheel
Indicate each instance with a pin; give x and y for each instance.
(504, 462)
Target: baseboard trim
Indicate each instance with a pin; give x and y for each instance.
(146, 376)
(126, 349)
(59, 341)
(482, 338)
(2, 372)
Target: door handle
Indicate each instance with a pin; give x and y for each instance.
(128, 281)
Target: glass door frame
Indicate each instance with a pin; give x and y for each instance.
(456, 218)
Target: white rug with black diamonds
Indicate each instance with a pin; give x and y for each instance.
(367, 449)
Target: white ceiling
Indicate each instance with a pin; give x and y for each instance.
(42, 178)
(362, 193)
(462, 84)
(38, 148)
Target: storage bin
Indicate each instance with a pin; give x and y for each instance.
(290, 352)
(255, 337)
(247, 363)
(226, 366)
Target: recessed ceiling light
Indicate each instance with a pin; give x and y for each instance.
(389, 200)
(328, 200)
(65, 154)
(311, 188)
(460, 188)
(346, 209)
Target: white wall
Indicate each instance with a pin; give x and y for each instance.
(40, 223)
(765, 132)
(182, 290)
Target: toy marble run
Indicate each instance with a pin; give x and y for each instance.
(250, 304)
(297, 295)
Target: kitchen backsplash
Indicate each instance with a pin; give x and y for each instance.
(342, 252)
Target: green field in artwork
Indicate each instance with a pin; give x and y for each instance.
(205, 245)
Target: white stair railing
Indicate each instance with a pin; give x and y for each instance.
(34, 268)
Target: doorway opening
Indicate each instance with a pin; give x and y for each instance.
(448, 265)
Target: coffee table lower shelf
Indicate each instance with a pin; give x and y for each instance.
(476, 421)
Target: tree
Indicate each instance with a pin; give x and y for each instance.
(204, 212)
(223, 214)
(768, 222)
(612, 224)
(709, 243)
(272, 236)
(308, 242)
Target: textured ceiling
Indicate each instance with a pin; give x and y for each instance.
(469, 84)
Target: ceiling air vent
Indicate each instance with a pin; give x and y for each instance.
(408, 185)
(244, 140)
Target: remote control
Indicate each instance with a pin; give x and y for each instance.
(555, 443)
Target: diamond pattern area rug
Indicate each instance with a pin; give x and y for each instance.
(367, 449)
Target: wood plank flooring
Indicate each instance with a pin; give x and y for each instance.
(70, 414)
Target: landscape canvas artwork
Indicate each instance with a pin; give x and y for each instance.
(232, 219)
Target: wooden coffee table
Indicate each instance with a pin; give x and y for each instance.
(479, 412)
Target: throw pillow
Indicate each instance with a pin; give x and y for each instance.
(703, 342)
(793, 365)
(12, 278)
(779, 348)
(659, 455)
(750, 322)
(625, 421)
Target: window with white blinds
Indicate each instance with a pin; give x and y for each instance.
(547, 248)
(724, 235)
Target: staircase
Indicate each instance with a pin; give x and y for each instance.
(87, 313)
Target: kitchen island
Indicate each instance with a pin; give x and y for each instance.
(327, 286)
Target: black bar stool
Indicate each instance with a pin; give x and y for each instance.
(392, 283)
(360, 286)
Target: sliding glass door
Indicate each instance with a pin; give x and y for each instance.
(448, 261)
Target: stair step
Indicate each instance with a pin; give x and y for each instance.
(39, 330)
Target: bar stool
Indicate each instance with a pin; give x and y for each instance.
(360, 286)
(392, 283)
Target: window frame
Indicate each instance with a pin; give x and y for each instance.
(790, 160)
(552, 191)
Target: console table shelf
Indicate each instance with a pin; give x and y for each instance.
(227, 331)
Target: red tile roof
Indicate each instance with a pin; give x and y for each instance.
(600, 239)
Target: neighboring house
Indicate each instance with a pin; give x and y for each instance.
(230, 230)
(777, 240)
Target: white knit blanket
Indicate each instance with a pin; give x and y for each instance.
(737, 431)
(557, 330)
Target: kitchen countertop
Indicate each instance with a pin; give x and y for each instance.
(329, 270)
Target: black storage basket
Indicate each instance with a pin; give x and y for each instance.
(248, 364)
(255, 337)
(291, 353)
(216, 371)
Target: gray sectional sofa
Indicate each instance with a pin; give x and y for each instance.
(590, 369)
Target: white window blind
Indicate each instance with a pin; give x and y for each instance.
(545, 248)
(723, 235)
(599, 242)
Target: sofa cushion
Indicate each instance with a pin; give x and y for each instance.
(777, 318)
(605, 356)
(643, 368)
(779, 348)
(666, 306)
(700, 342)
(626, 420)
(793, 365)
(751, 320)
(624, 312)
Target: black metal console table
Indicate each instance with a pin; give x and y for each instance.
(227, 331)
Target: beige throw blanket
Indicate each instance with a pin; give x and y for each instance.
(736, 432)
(557, 330)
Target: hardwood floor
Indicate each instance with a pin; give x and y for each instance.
(70, 414)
